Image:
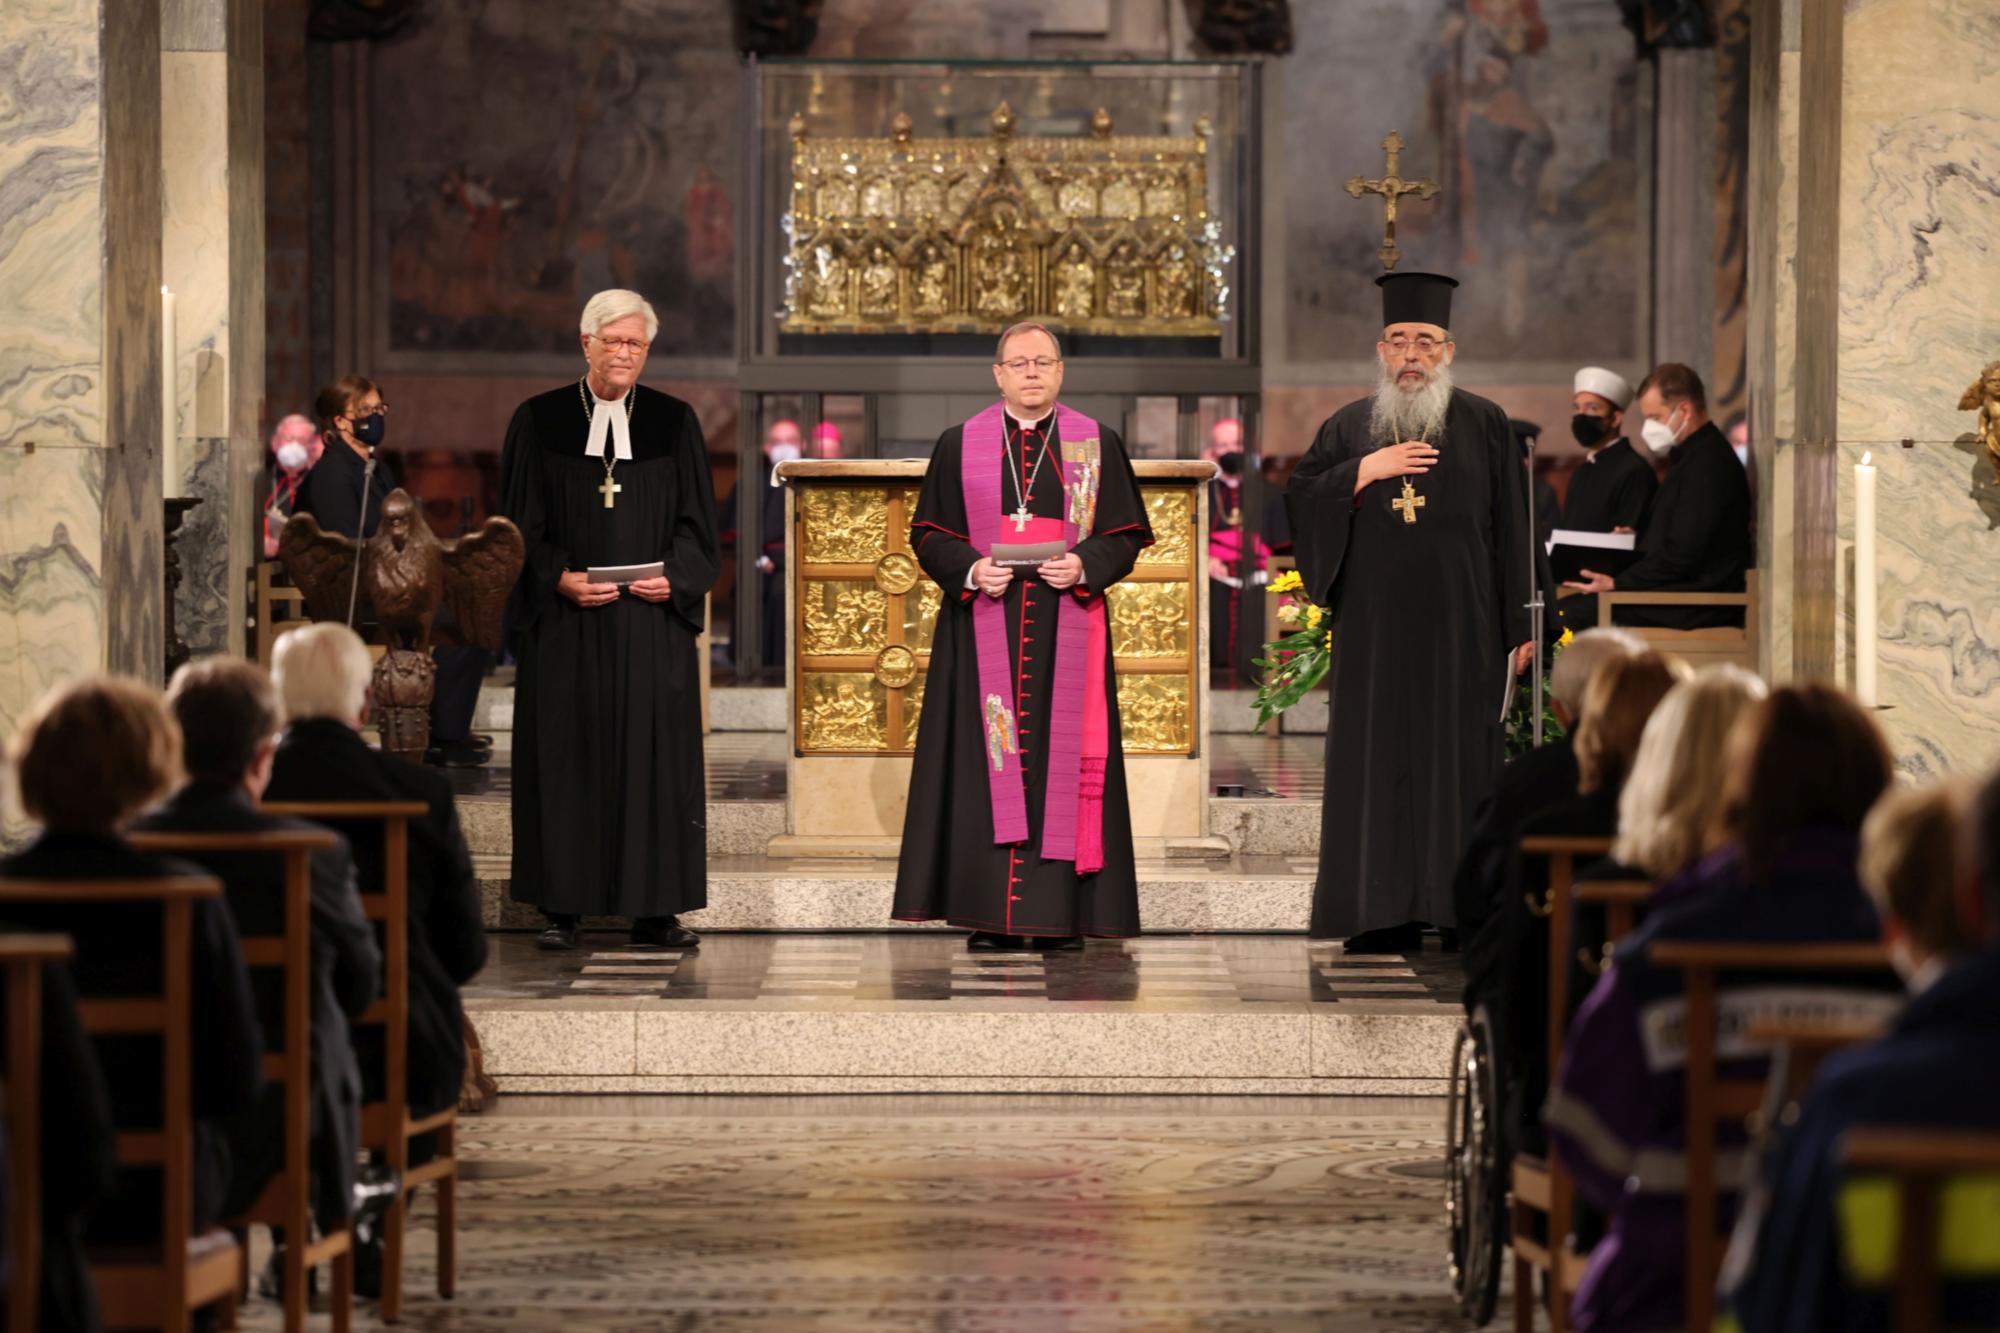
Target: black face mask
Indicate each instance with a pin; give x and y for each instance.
(1231, 464)
(369, 429)
(1590, 431)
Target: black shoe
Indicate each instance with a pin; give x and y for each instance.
(992, 941)
(559, 935)
(664, 932)
(456, 754)
(1058, 943)
(1406, 938)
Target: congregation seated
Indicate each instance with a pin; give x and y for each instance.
(322, 674)
(1806, 766)
(88, 756)
(229, 718)
(1938, 1068)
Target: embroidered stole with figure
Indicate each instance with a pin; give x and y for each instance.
(1078, 728)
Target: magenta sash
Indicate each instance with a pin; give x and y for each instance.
(1078, 731)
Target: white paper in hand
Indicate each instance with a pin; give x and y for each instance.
(623, 574)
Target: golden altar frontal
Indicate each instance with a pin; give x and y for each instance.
(863, 612)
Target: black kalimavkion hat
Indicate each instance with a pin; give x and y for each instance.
(1416, 298)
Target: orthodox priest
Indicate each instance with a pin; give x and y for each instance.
(1409, 522)
(609, 793)
(1018, 828)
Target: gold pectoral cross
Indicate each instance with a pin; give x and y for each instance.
(1391, 186)
(609, 489)
(1410, 502)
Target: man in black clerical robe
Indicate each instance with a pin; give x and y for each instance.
(1018, 827)
(1409, 519)
(1697, 538)
(610, 797)
(1612, 490)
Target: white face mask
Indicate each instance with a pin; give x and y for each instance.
(1659, 436)
(782, 453)
(291, 455)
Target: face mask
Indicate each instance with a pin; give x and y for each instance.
(291, 455)
(782, 453)
(1659, 436)
(369, 430)
(1231, 464)
(1589, 430)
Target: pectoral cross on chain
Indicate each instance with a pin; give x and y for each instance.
(1391, 186)
(1021, 517)
(1410, 502)
(609, 489)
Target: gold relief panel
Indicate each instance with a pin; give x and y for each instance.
(913, 710)
(845, 525)
(1170, 509)
(844, 618)
(1154, 713)
(920, 613)
(843, 710)
(1149, 620)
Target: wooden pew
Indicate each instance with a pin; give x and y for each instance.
(22, 958)
(1540, 1185)
(287, 1201)
(386, 1125)
(1921, 1162)
(277, 608)
(157, 1288)
(1710, 1100)
(1697, 647)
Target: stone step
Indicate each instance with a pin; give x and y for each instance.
(1254, 893)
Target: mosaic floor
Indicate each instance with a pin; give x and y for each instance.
(1223, 972)
(943, 1215)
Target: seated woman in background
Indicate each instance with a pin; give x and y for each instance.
(1937, 1068)
(89, 755)
(1806, 766)
(1670, 811)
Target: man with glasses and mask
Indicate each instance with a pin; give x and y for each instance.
(1410, 525)
(1697, 538)
(1018, 827)
(610, 800)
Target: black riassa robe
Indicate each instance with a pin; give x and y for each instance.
(1424, 616)
(1613, 488)
(610, 798)
(951, 869)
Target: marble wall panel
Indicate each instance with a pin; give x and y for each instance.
(1919, 263)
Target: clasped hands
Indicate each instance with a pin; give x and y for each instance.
(575, 584)
(1065, 571)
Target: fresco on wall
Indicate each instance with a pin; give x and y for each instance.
(525, 155)
(1526, 112)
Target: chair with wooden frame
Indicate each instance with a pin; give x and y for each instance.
(22, 958)
(276, 608)
(1921, 1163)
(386, 1125)
(286, 1203)
(1710, 1100)
(159, 1287)
(1540, 1185)
(1698, 647)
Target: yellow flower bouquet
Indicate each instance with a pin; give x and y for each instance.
(1296, 661)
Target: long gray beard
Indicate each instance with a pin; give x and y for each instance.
(1399, 416)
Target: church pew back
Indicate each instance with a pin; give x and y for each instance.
(22, 958)
(1924, 1168)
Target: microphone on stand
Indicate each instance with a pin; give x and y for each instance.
(1536, 606)
(360, 535)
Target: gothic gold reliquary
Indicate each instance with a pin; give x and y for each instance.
(1109, 234)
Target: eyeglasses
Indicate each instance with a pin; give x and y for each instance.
(1423, 342)
(1042, 363)
(363, 413)
(621, 346)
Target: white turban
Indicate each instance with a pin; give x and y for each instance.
(1606, 384)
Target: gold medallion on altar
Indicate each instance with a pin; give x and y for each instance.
(896, 573)
(895, 666)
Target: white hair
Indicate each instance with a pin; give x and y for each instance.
(322, 671)
(1586, 652)
(1401, 414)
(1672, 799)
(608, 307)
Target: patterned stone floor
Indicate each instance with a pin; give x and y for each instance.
(943, 1215)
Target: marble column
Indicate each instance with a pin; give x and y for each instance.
(1684, 209)
(212, 164)
(80, 473)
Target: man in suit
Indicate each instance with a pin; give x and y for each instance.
(322, 674)
(229, 718)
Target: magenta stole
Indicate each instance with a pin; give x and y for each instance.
(1077, 730)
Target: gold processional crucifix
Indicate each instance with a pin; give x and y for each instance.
(1391, 187)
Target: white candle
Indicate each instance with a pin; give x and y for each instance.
(1864, 581)
(169, 407)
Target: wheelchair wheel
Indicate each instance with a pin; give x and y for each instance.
(1475, 1172)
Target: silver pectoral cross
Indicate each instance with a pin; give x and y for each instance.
(1021, 517)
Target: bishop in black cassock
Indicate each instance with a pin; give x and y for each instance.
(609, 792)
(1018, 828)
(1409, 521)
